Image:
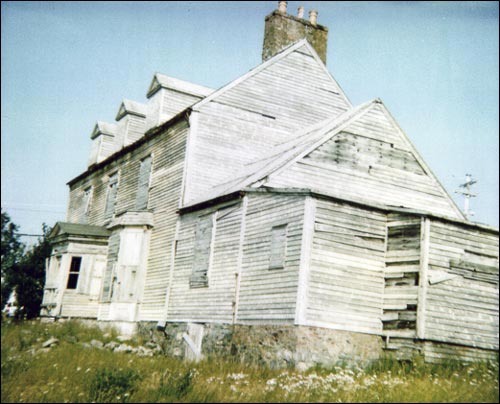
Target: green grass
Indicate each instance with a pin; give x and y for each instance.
(70, 372)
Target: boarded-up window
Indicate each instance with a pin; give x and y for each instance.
(87, 195)
(74, 272)
(109, 275)
(111, 197)
(143, 186)
(202, 246)
(278, 247)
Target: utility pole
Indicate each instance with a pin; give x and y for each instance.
(466, 191)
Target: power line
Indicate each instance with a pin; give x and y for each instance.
(33, 210)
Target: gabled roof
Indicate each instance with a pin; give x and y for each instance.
(77, 229)
(265, 65)
(103, 128)
(162, 81)
(288, 152)
(131, 107)
(303, 143)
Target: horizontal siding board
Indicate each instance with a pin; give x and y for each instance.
(276, 287)
(346, 278)
(242, 123)
(463, 310)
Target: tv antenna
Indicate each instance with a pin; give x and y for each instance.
(466, 192)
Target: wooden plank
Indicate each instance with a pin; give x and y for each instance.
(305, 260)
(239, 265)
(423, 277)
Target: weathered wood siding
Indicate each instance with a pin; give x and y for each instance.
(269, 295)
(174, 102)
(214, 302)
(78, 305)
(346, 275)
(368, 161)
(241, 124)
(165, 194)
(135, 128)
(112, 261)
(168, 152)
(462, 296)
(82, 301)
(128, 129)
(440, 352)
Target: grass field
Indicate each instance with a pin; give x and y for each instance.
(71, 372)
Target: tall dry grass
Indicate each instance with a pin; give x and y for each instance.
(70, 372)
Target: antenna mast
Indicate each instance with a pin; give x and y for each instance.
(466, 191)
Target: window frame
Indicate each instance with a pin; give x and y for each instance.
(144, 204)
(88, 193)
(196, 280)
(74, 274)
(113, 180)
(278, 231)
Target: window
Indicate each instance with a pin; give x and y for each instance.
(278, 247)
(143, 186)
(202, 247)
(87, 196)
(74, 272)
(111, 197)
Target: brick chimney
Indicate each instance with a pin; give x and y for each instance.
(283, 29)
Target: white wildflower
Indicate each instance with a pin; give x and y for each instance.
(236, 376)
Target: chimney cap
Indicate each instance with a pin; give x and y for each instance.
(282, 7)
(300, 12)
(313, 15)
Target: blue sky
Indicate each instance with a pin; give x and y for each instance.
(66, 65)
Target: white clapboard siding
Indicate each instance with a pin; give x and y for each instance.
(439, 352)
(165, 192)
(174, 102)
(75, 304)
(213, 302)
(369, 161)
(463, 307)
(346, 275)
(135, 128)
(168, 150)
(240, 124)
(112, 258)
(269, 294)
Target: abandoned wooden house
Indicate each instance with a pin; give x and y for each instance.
(275, 211)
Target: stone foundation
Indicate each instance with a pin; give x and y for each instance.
(285, 346)
(276, 346)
